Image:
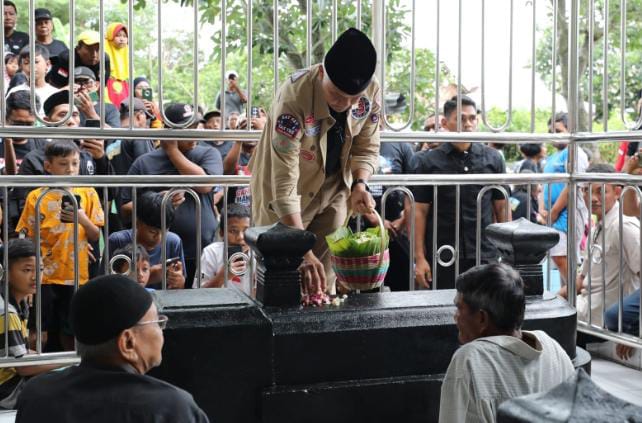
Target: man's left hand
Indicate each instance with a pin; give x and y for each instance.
(361, 200)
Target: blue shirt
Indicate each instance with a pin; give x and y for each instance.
(556, 163)
(173, 242)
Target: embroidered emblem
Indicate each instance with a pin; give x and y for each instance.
(374, 118)
(287, 125)
(312, 126)
(307, 155)
(362, 108)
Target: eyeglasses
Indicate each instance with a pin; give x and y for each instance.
(162, 321)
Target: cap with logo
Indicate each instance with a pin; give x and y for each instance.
(42, 13)
(179, 113)
(351, 61)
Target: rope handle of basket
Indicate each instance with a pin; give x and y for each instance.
(382, 233)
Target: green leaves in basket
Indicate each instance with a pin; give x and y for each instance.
(344, 243)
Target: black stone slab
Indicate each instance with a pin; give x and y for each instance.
(375, 355)
(217, 347)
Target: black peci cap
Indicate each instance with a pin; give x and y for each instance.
(351, 62)
(56, 99)
(105, 306)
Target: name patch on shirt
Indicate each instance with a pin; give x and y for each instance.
(307, 155)
(362, 108)
(287, 125)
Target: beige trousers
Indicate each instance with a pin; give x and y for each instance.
(326, 212)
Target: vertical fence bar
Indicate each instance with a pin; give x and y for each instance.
(250, 46)
(275, 40)
(573, 106)
(101, 68)
(134, 264)
(437, 68)
(308, 34)
(533, 59)
(459, 66)
(226, 273)
(130, 33)
(554, 62)
(603, 253)
(106, 252)
(638, 121)
(2, 87)
(435, 265)
(480, 197)
(359, 15)
(528, 201)
(509, 114)
(333, 28)
(223, 59)
(605, 76)
(591, 46)
(589, 249)
(5, 262)
(457, 229)
(548, 253)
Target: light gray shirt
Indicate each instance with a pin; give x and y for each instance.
(611, 256)
(488, 371)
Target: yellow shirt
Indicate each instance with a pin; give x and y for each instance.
(57, 238)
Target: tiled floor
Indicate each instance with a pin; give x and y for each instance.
(619, 380)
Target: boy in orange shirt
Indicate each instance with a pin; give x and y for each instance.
(62, 158)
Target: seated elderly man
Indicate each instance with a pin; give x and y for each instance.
(497, 360)
(119, 337)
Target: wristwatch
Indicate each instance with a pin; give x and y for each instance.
(359, 181)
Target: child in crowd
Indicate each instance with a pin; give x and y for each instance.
(212, 259)
(62, 158)
(143, 267)
(148, 234)
(21, 276)
(10, 69)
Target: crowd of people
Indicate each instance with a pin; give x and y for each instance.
(306, 197)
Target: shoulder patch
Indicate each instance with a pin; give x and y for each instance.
(374, 118)
(298, 74)
(287, 125)
(361, 109)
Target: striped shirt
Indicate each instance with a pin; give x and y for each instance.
(17, 335)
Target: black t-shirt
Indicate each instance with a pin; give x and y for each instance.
(23, 149)
(55, 48)
(336, 138)
(16, 42)
(519, 205)
(123, 153)
(445, 159)
(157, 163)
(112, 116)
(95, 68)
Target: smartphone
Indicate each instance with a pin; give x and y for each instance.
(68, 203)
(172, 261)
(92, 123)
(255, 112)
(147, 94)
(94, 96)
(233, 249)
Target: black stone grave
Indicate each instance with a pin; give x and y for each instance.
(377, 357)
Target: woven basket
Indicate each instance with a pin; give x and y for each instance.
(363, 273)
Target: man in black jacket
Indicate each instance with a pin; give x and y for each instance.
(119, 336)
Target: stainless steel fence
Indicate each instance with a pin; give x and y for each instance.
(380, 31)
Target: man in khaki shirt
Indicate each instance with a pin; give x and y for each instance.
(318, 148)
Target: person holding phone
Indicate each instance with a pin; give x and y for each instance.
(148, 234)
(213, 259)
(86, 96)
(62, 158)
(235, 97)
(144, 92)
